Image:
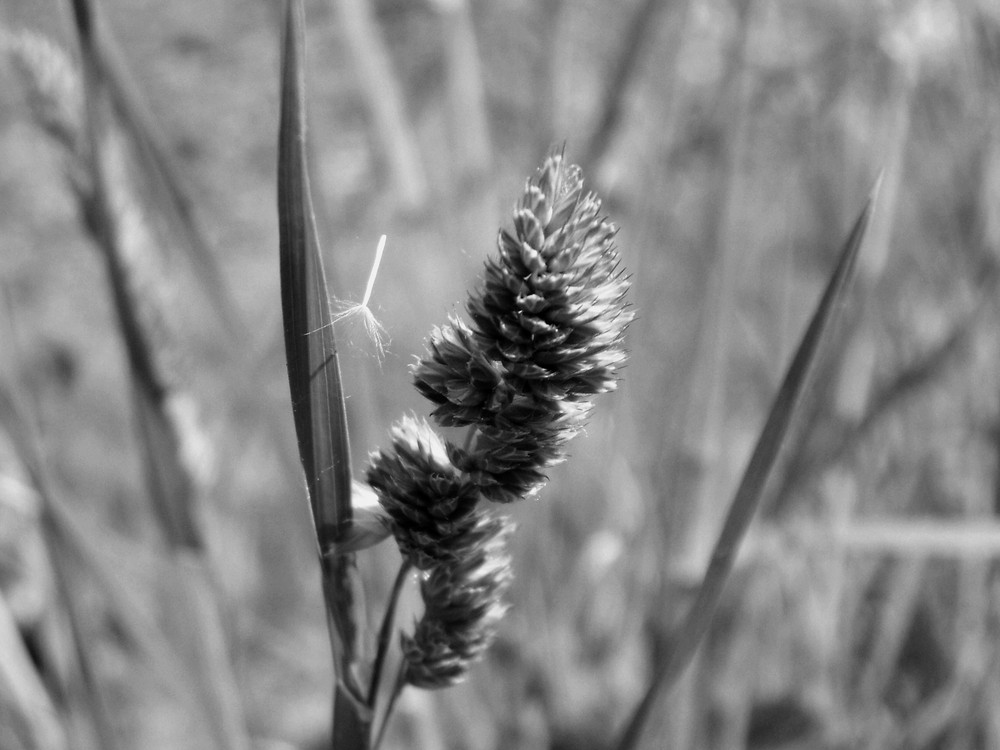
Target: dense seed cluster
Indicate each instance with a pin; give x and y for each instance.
(462, 606)
(546, 331)
(431, 507)
(547, 335)
(430, 503)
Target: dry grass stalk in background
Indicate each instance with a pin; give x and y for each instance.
(158, 174)
(385, 102)
(171, 484)
(96, 155)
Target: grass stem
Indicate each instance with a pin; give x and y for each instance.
(397, 690)
(385, 631)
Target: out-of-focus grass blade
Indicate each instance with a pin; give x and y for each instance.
(314, 381)
(751, 487)
(24, 444)
(29, 718)
(158, 168)
(74, 549)
(103, 562)
(170, 484)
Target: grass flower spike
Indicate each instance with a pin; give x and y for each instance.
(462, 605)
(547, 331)
(430, 503)
(546, 335)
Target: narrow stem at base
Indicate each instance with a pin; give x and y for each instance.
(396, 691)
(385, 631)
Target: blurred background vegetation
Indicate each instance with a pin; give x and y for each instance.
(733, 142)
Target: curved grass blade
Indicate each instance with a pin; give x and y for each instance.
(316, 391)
(310, 346)
(751, 486)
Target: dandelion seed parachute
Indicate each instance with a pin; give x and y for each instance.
(373, 328)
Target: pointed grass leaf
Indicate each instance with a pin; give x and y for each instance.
(310, 346)
(751, 487)
(314, 381)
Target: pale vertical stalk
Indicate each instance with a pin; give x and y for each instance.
(640, 30)
(194, 611)
(892, 625)
(158, 173)
(472, 150)
(546, 96)
(470, 143)
(706, 435)
(626, 152)
(384, 99)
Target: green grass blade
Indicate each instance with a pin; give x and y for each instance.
(169, 483)
(314, 381)
(310, 346)
(171, 486)
(751, 486)
(158, 169)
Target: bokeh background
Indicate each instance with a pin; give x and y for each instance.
(734, 143)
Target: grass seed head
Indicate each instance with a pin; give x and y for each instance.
(430, 502)
(547, 330)
(462, 606)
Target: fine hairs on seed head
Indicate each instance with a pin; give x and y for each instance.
(373, 328)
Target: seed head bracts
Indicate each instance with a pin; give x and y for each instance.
(462, 606)
(545, 335)
(547, 331)
(430, 502)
